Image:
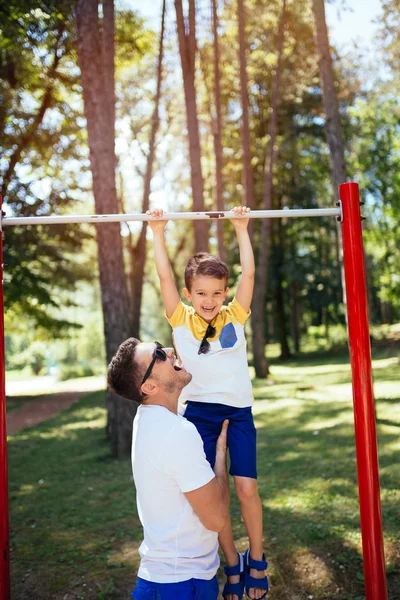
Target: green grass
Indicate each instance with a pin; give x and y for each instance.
(74, 525)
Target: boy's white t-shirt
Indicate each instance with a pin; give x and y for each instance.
(222, 375)
(167, 460)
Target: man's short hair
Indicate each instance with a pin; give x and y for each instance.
(124, 375)
(206, 265)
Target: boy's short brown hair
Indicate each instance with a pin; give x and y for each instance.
(206, 265)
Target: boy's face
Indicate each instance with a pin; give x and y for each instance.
(207, 294)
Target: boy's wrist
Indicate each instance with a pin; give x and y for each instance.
(159, 232)
(241, 228)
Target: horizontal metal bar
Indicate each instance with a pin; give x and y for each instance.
(189, 216)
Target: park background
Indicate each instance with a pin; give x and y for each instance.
(264, 131)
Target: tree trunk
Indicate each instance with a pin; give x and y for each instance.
(217, 134)
(187, 50)
(138, 257)
(296, 330)
(108, 59)
(280, 294)
(333, 124)
(282, 326)
(271, 323)
(260, 290)
(114, 292)
(248, 183)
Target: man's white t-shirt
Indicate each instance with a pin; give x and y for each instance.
(168, 460)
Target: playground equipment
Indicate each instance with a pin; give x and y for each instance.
(348, 213)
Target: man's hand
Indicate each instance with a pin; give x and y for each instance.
(157, 225)
(211, 501)
(220, 458)
(240, 223)
(221, 441)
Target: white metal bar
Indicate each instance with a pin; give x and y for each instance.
(189, 216)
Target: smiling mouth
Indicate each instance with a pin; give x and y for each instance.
(178, 367)
(208, 309)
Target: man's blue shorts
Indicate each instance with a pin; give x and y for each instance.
(241, 439)
(191, 589)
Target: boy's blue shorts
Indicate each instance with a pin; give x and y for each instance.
(191, 589)
(241, 439)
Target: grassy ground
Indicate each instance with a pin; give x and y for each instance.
(74, 526)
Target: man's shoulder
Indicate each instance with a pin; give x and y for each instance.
(181, 426)
(162, 422)
(181, 435)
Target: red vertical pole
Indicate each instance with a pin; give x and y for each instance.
(4, 534)
(363, 399)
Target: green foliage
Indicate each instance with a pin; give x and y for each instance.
(389, 33)
(37, 359)
(76, 352)
(42, 143)
(33, 356)
(377, 160)
(45, 163)
(76, 370)
(132, 40)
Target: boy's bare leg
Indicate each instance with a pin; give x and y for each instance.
(251, 508)
(227, 544)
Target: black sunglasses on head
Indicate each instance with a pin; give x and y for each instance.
(205, 345)
(159, 353)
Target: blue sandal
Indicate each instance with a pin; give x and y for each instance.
(235, 588)
(253, 582)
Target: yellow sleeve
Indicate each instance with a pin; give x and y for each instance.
(236, 311)
(179, 316)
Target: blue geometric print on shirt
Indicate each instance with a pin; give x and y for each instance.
(228, 337)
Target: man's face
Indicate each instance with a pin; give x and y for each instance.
(168, 373)
(207, 294)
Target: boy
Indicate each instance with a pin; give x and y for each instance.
(210, 342)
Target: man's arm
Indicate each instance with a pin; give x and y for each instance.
(169, 291)
(211, 501)
(244, 291)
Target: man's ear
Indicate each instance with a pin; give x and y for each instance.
(149, 388)
(187, 294)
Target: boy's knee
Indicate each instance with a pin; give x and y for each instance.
(246, 488)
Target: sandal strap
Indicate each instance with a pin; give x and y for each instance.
(253, 582)
(232, 570)
(236, 569)
(233, 588)
(258, 565)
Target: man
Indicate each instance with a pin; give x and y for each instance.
(182, 503)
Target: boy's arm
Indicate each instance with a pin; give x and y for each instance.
(169, 291)
(244, 291)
